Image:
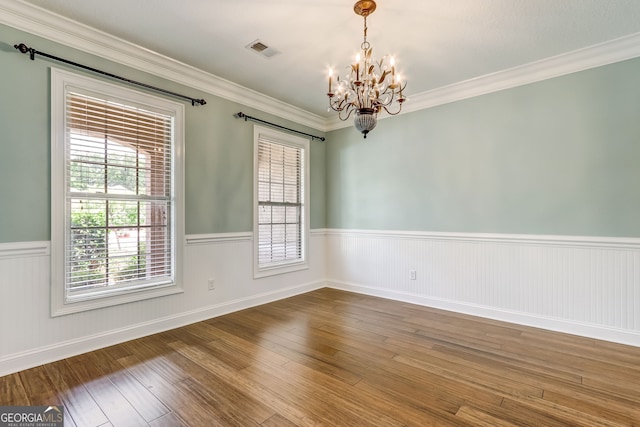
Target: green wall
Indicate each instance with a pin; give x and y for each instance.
(218, 152)
(555, 157)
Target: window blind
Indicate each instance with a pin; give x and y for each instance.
(119, 196)
(280, 202)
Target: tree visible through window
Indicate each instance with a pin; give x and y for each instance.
(117, 198)
(118, 194)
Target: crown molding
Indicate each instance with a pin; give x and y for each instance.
(616, 50)
(42, 23)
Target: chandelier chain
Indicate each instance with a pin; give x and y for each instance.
(365, 44)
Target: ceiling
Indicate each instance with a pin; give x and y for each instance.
(436, 42)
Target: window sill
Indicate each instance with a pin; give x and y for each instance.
(60, 308)
(280, 269)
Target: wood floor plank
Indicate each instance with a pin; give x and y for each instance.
(111, 401)
(418, 409)
(626, 389)
(542, 412)
(156, 358)
(39, 388)
(498, 384)
(270, 397)
(12, 391)
(578, 363)
(374, 402)
(248, 348)
(289, 349)
(503, 360)
(338, 328)
(346, 342)
(335, 358)
(230, 402)
(595, 403)
(169, 420)
(106, 363)
(166, 390)
(78, 403)
(417, 384)
(477, 366)
(141, 398)
(481, 418)
(334, 393)
(309, 400)
(188, 406)
(224, 413)
(278, 421)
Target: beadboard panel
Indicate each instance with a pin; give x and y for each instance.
(30, 336)
(580, 285)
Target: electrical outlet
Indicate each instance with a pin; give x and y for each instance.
(412, 274)
(212, 284)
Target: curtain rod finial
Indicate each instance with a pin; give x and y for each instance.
(23, 48)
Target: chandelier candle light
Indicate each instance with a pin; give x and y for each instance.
(370, 86)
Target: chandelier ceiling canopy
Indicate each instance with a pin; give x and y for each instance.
(369, 86)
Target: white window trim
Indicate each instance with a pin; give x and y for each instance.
(297, 142)
(60, 82)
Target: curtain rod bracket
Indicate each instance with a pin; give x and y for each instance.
(241, 115)
(23, 48)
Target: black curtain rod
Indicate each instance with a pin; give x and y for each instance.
(32, 54)
(242, 115)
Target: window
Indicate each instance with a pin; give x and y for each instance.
(116, 194)
(281, 214)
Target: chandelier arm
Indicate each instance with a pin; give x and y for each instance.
(403, 87)
(349, 112)
(387, 91)
(390, 113)
(385, 104)
(389, 102)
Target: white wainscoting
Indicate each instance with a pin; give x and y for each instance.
(581, 285)
(29, 336)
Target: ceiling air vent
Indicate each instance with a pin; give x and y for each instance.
(261, 49)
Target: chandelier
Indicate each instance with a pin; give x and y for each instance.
(370, 86)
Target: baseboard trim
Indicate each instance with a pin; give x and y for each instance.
(29, 359)
(599, 332)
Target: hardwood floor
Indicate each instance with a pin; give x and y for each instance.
(335, 358)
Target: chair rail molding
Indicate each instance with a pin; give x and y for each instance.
(24, 249)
